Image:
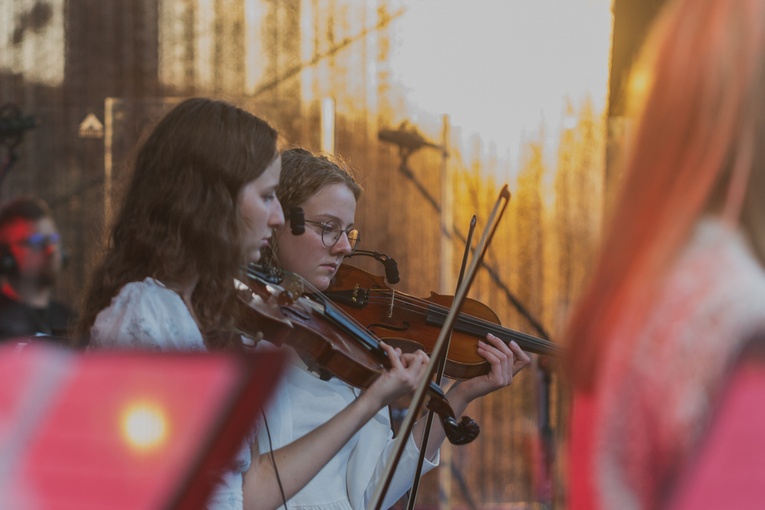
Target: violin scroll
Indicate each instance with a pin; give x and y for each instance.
(458, 433)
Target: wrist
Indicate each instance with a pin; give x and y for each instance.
(457, 398)
(369, 403)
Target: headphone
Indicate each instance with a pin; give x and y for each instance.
(8, 266)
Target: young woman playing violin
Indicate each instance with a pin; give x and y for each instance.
(327, 193)
(204, 178)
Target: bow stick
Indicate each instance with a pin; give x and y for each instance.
(419, 394)
(441, 366)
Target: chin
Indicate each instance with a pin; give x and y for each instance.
(323, 283)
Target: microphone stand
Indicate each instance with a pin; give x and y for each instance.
(419, 395)
(11, 135)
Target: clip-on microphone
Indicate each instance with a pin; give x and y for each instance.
(390, 265)
(297, 220)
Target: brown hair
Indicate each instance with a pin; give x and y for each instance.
(179, 217)
(25, 208)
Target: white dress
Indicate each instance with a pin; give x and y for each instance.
(303, 402)
(148, 315)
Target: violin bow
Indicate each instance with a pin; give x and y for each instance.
(419, 394)
(441, 366)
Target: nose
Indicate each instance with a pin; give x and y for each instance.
(276, 217)
(343, 245)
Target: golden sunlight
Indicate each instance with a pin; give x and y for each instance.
(507, 71)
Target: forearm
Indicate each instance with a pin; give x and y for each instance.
(298, 462)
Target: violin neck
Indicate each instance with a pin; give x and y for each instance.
(346, 323)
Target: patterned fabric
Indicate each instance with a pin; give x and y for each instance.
(654, 397)
(148, 315)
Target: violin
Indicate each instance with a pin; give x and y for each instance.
(410, 323)
(330, 340)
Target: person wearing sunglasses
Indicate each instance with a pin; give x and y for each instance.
(30, 263)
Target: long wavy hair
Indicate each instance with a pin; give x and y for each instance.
(697, 150)
(304, 173)
(179, 218)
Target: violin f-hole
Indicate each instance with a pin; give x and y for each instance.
(403, 327)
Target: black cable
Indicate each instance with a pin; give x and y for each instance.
(273, 460)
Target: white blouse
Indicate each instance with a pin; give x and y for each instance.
(148, 315)
(348, 482)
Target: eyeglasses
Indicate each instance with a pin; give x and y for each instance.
(330, 234)
(39, 242)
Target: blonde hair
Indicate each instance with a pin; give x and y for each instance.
(694, 147)
(305, 173)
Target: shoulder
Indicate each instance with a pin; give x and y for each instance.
(146, 314)
(718, 272)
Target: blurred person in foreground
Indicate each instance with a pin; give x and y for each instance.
(30, 262)
(680, 283)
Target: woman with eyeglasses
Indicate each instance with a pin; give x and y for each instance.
(324, 188)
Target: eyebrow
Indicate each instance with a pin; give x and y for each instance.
(331, 218)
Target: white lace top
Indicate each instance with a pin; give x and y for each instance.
(148, 315)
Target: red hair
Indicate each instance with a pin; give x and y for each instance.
(698, 125)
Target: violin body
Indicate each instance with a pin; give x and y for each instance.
(412, 323)
(330, 341)
(292, 320)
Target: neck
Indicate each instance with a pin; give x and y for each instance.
(27, 293)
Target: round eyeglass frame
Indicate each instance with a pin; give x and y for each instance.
(330, 234)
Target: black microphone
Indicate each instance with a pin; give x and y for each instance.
(12, 124)
(406, 137)
(391, 270)
(297, 220)
(390, 265)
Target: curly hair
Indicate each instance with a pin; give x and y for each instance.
(179, 217)
(304, 173)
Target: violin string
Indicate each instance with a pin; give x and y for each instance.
(458, 430)
(424, 308)
(369, 338)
